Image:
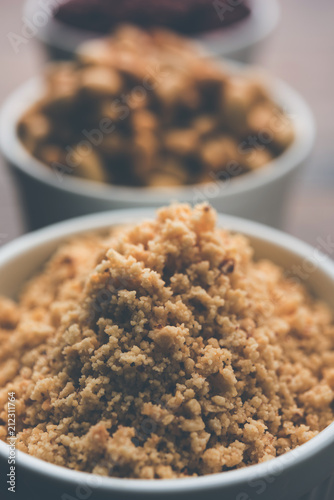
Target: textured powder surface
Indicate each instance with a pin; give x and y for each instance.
(164, 350)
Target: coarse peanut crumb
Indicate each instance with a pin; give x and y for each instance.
(164, 350)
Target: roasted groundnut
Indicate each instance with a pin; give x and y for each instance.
(34, 129)
(181, 141)
(145, 150)
(218, 152)
(61, 77)
(269, 120)
(96, 53)
(87, 164)
(170, 173)
(100, 82)
(205, 124)
(143, 119)
(257, 159)
(152, 110)
(51, 154)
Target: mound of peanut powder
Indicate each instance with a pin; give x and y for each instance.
(164, 350)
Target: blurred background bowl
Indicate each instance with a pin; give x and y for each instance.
(258, 195)
(240, 41)
(243, 41)
(305, 470)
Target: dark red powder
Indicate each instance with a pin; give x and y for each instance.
(183, 16)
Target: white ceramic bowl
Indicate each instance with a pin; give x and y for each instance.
(258, 195)
(239, 41)
(304, 471)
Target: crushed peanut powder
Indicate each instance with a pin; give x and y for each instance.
(164, 350)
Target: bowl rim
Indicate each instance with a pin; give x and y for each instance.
(297, 457)
(18, 156)
(263, 19)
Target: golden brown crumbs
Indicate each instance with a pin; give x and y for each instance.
(164, 350)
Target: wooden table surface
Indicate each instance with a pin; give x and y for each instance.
(300, 52)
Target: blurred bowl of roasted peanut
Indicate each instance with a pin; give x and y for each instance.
(139, 119)
(234, 28)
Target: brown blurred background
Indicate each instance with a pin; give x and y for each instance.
(300, 52)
